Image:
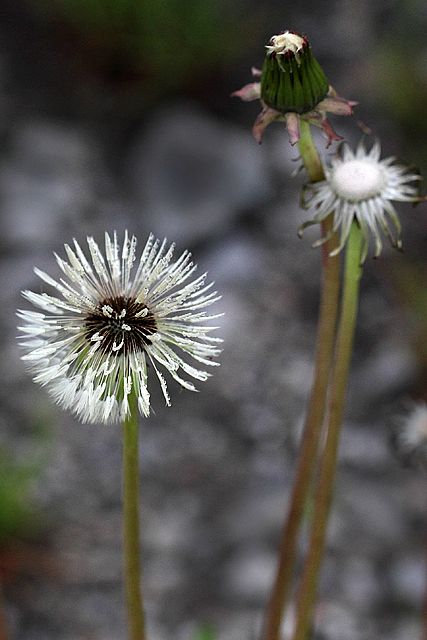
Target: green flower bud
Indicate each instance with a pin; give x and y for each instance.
(292, 80)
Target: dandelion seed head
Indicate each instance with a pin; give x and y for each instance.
(360, 186)
(358, 180)
(117, 315)
(409, 436)
(413, 433)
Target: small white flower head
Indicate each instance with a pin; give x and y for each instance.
(360, 185)
(91, 346)
(287, 42)
(411, 435)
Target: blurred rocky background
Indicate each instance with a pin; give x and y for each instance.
(117, 114)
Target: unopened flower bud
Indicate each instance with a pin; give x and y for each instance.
(293, 86)
(292, 80)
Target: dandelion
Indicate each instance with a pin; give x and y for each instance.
(361, 186)
(91, 346)
(293, 86)
(412, 434)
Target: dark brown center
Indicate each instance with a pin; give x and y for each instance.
(122, 325)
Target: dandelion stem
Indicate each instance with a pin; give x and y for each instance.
(132, 562)
(314, 420)
(325, 480)
(308, 152)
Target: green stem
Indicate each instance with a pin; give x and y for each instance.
(314, 420)
(325, 482)
(309, 155)
(132, 561)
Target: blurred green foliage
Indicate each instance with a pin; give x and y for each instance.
(395, 75)
(163, 45)
(409, 279)
(205, 632)
(18, 517)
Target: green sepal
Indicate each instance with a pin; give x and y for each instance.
(291, 86)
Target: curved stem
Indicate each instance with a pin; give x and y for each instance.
(132, 561)
(314, 420)
(323, 497)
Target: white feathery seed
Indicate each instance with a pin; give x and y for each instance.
(360, 185)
